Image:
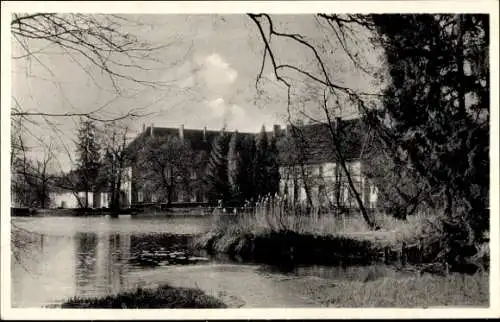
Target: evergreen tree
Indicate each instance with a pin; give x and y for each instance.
(273, 167)
(248, 166)
(438, 105)
(88, 152)
(235, 170)
(216, 172)
(261, 164)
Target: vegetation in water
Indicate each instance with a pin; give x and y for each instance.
(164, 296)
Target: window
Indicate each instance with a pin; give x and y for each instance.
(140, 196)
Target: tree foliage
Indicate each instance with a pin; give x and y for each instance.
(112, 170)
(165, 163)
(88, 161)
(216, 176)
(273, 169)
(235, 167)
(317, 71)
(261, 168)
(437, 105)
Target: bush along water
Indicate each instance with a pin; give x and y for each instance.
(275, 230)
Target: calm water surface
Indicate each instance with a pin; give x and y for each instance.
(62, 257)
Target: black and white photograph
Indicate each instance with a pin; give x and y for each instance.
(234, 156)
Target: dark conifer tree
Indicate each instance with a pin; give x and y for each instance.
(216, 172)
(235, 168)
(88, 152)
(273, 167)
(438, 105)
(261, 164)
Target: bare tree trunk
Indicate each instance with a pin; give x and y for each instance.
(342, 161)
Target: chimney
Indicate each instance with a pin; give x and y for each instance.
(181, 132)
(151, 133)
(204, 134)
(276, 130)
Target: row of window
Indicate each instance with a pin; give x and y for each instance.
(178, 196)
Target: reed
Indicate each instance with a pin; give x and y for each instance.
(277, 214)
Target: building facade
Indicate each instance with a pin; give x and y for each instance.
(309, 164)
(314, 169)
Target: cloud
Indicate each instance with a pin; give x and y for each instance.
(215, 75)
(236, 117)
(218, 107)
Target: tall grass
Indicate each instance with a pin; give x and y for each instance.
(425, 236)
(277, 214)
(420, 291)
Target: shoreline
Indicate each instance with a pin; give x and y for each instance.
(78, 212)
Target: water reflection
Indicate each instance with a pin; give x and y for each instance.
(100, 263)
(67, 258)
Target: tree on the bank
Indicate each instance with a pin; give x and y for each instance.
(248, 152)
(112, 171)
(438, 105)
(88, 152)
(98, 44)
(235, 168)
(165, 164)
(295, 175)
(261, 163)
(318, 71)
(217, 182)
(241, 168)
(273, 169)
(32, 179)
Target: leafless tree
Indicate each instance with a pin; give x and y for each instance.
(343, 29)
(112, 172)
(31, 177)
(97, 40)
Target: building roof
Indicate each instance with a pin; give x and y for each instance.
(199, 139)
(314, 140)
(316, 144)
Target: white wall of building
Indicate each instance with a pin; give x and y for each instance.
(70, 200)
(321, 180)
(126, 186)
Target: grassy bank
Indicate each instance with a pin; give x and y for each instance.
(275, 230)
(422, 291)
(162, 297)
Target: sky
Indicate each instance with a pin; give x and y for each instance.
(205, 74)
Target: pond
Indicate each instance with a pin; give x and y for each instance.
(62, 257)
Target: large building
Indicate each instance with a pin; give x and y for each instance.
(309, 163)
(200, 141)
